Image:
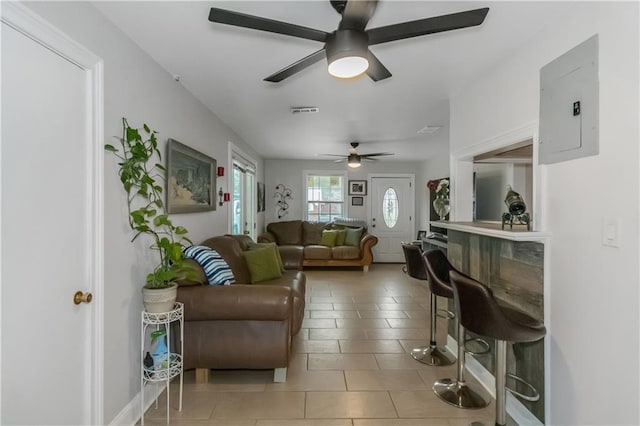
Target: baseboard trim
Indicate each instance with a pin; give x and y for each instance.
(130, 414)
(515, 408)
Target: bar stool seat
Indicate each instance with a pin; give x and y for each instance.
(416, 268)
(479, 312)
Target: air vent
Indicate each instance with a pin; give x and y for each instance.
(306, 110)
(429, 129)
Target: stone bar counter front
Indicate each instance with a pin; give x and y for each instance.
(512, 264)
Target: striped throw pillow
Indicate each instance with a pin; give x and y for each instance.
(215, 267)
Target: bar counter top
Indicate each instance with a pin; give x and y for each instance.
(494, 229)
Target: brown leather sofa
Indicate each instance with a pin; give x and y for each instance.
(297, 236)
(243, 325)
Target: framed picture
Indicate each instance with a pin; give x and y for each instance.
(260, 197)
(357, 201)
(357, 187)
(191, 179)
(421, 235)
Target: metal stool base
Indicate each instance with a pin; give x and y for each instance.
(433, 355)
(459, 394)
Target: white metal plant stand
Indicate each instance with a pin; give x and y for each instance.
(175, 365)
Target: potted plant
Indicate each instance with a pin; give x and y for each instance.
(143, 179)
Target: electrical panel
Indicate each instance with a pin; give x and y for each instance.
(569, 105)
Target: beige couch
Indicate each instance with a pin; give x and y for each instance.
(244, 325)
(304, 237)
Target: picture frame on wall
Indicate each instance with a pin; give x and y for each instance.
(357, 187)
(421, 235)
(191, 179)
(261, 205)
(357, 201)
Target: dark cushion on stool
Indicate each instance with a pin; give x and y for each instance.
(413, 256)
(480, 313)
(437, 266)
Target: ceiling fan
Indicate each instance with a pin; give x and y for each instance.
(347, 48)
(354, 159)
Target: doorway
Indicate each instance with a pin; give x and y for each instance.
(244, 195)
(392, 215)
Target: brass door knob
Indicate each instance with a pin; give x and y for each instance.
(81, 297)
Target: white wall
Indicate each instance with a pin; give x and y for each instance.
(290, 173)
(136, 87)
(594, 289)
(491, 188)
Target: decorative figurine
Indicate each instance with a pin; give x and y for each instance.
(517, 210)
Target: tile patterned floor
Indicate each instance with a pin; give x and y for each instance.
(351, 365)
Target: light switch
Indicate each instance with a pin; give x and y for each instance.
(611, 231)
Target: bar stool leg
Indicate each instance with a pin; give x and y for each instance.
(432, 354)
(501, 382)
(457, 392)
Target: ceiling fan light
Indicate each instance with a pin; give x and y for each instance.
(348, 67)
(347, 52)
(354, 161)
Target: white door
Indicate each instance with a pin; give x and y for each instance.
(51, 232)
(392, 211)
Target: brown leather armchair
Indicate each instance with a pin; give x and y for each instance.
(241, 325)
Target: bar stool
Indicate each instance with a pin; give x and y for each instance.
(478, 311)
(417, 268)
(456, 392)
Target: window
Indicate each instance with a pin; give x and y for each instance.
(243, 196)
(390, 207)
(325, 196)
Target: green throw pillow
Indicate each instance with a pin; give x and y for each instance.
(341, 236)
(328, 238)
(262, 264)
(353, 237)
(272, 246)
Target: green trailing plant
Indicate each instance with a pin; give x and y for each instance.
(143, 177)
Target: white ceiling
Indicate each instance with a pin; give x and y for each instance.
(224, 67)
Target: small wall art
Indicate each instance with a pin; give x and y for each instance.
(282, 195)
(357, 187)
(357, 201)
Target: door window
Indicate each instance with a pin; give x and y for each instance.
(390, 207)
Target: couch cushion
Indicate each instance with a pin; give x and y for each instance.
(215, 267)
(312, 232)
(345, 252)
(287, 233)
(231, 252)
(317, 252)
(353, 237)
(263, 264)
(292, 256)
(328, 238)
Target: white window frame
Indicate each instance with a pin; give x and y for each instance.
(345, 182)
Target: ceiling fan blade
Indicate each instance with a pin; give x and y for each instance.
(336, 155)
(238, 19)
(372, 160)
(342, 160)
(437, 24)
(376, 70)
(297, 66)
(357, 13)
(377, 154)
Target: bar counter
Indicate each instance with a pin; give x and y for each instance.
(512, 264)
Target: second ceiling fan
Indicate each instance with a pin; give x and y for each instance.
(354, 159)
(347, 48)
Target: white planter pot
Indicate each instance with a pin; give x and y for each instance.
(159, 300)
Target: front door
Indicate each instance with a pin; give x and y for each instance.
(51, 248)
(392, 211)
